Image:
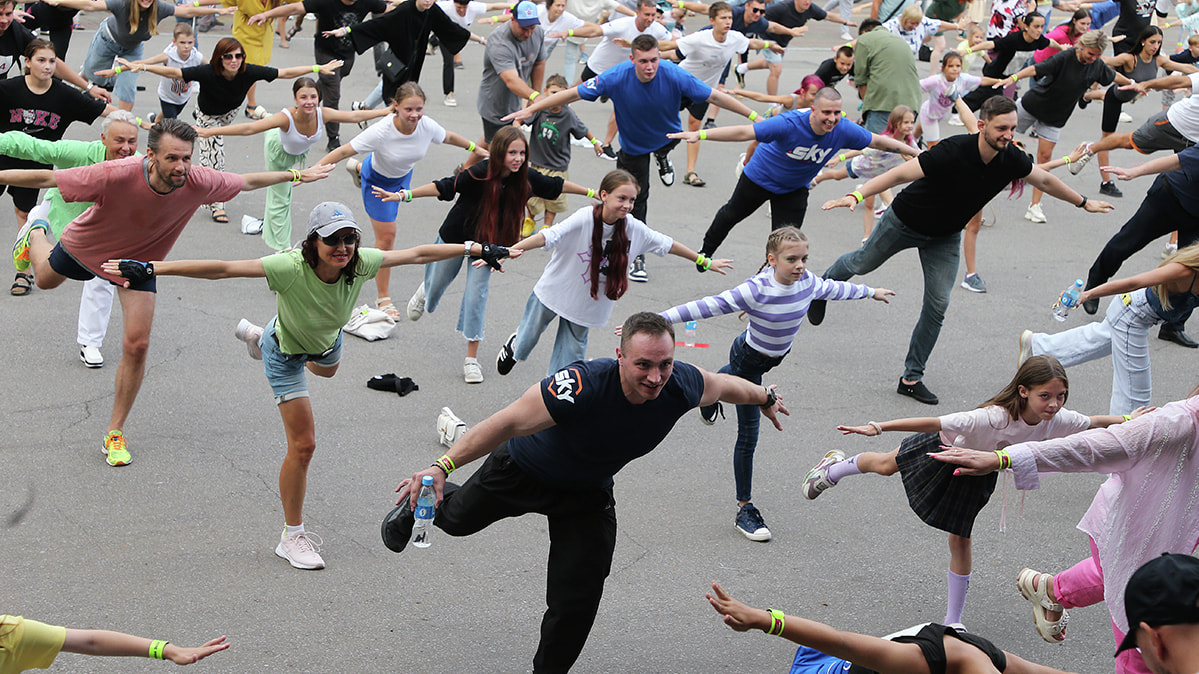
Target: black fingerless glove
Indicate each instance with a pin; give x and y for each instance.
(492, 254)
(137, 272)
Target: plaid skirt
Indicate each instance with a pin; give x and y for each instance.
(939, 498)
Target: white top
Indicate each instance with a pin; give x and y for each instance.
(179, 91)
(565, 285)
(991, 428)
(607, 54)
(395, 153)
(473, 11)
(1184, 114)
(296, 143)
(589, 10)
(917, 35)
(706, 58)
(942, 93)
(564, 23)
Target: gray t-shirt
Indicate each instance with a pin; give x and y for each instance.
(504, 52)
(118, 26)
(549, 140)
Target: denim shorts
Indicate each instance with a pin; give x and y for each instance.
(64, 263)
(376, 208)
(285, 372)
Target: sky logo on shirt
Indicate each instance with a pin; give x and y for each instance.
(566, 385)
(811, 154)
(591, 83)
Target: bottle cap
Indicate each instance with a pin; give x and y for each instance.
(427, 480)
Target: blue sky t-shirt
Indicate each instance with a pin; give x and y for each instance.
(791, 154)
(645, 111)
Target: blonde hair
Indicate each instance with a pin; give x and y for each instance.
(912, 13)
(780, 237)
(1094, 39)
(135, 17)
(1187, 257)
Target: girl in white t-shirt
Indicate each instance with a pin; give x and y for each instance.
(1029, 408)
(290, 133)
(944, 90)
(394, 144)
(587, 272)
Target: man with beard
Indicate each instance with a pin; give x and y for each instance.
(950, 183)
(141, 205)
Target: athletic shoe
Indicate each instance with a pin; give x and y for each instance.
(152, 118)
(1076, 167)
(250, 334)
(609, 153)
(301, 550)
(332, 144)
(665, 168)
(1125, 118)
(450, 101)
(954, 120)
(527, 229)
(471, 372)
(817, 482)
(709, 413)
(1025, 348)
(1109, 189)
(116, 449)
(1169, 250)
(352, 167)
(846, 36)
(251, 225)
(20, 248)
(709, 123)
(974, 283)
(1091, 306)
(507, 356)
(257, 112)
(816, 311)
(739, 75)
(750, 523)
(397, 527)
(918, 392)
(638, 273)
(359, 105)
(1035, 214)
(739, 167)
(449, 427)
(416, 304)
(91, 356)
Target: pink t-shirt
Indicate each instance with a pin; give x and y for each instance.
(1059, 35)
(129, 219)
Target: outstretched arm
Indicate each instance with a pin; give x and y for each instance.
(275, 121)
(299, 71)
(1158, 275)
(564, 97)
(37, 178)
(909, 425)
(718, 266)
(1053, 186)
(354, 116)
(891, 145)
(1160, 165)
(731, 134)
(904, 173)
(280, 11)
(444, 251)
(107, 642)
(255, 181)
(723, 100)
(205, 269)
(732, 389)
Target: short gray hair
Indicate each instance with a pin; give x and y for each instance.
(118, 116)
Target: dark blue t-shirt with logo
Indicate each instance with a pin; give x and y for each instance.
(597, 430)
(790, 154)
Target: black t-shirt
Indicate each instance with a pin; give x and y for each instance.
(219, 95)
(783, 12)
(1134, 18)
(1053, 99)
(931, 640)
(755, 29)
(957, 184)
(467, 186)
(828, 73)
(597, 429)
(12, 50)
(45, 117)
(1184, 56)
(334, 14)
(1006, 48)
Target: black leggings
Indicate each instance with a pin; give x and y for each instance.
(447, 72)
(1113, 103)
(785, 209)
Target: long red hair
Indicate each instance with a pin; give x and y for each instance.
(497, 222)
(616, 278)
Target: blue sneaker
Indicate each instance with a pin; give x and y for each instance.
(750, 523)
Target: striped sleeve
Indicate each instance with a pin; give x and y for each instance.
(732, 300)
(828, 289)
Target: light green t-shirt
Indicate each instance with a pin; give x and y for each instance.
(312, 312)
(28, 644)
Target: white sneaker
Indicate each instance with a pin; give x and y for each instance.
(416, 304)
(1125, 118)
(91, 356)
(449, 427)
(954, 120)
(1025, 348)
(846, 36)
(1169, 250)
(1035, 214)
(301, 550)
(251, 225)
(250, 334)
(739, 167)
(352, 166)
(450, 101)
(471, 372)
(1079, 165)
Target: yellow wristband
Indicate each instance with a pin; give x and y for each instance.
(703, 134)
(316, 69)
(1128, 417)
(679, 4)
(116, 70)
(196, 3)
(765, 44)
(348, 30)
(156, 647)
(753, 114)
(471, 147)
(841, 156)
(1015, 78)
(596, 142)
(570, 32)
(533, 96)
(857, 195)
(776, 622)
(590, 193)
(1066, 159)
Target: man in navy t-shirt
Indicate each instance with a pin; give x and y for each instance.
(646, 93)
(794, 146)
(554, 452)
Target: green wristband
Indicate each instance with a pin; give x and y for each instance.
(156, 647)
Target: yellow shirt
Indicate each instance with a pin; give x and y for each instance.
(256, 40)
(28, 644)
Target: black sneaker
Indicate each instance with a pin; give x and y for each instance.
(709, 413)
(507, 356)
(918, 392)
(709, 123)
(665, 168)
(637, 273)
(397, 527)
(1109, 189)
(333, 144)
(609, 153)
(1091, 306)
(750, 523)
(740, 77)
(816, 312)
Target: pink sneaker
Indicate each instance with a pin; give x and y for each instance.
(301, 550)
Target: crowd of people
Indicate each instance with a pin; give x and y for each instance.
(115, 208)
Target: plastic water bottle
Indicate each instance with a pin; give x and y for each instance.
(689, 329)
(424, 513)
(1067, 301)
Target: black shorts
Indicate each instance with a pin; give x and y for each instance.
(490, 129)
(696, 110)
(64, 263)
(24, 198)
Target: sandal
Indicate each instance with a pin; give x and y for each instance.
(291, 32)
(693, 179)
(385, 305)
(256, 112)
(21, 285)
(220, 216)
(1052, 631)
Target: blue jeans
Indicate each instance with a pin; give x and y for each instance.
(285, 372)
(875, 121)
(570, 344)
(100, 55)
(938, 260)
(439, 275)
(747, 363)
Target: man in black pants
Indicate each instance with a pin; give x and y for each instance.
(1172, 203)
(554, 452)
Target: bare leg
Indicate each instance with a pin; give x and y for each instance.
(251, 101)
(472, 350)
(1044, 152)
(137, 311)
(970, 244)
(693, 124)
(39, 257)
(301, 443)
(867, 217)
(1115, 141)
(772, 80)
(1102, 156)
(385, 236)
(879, 463)
(22, 216)
(549, 218)
(960, 557)
(838, 173)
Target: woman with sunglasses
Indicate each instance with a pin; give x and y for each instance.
(316, 287)
(223, 86)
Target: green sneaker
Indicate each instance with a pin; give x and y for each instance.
(117, 449)
(20, 249)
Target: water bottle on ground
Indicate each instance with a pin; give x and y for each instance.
(689, 330)
(424, 513)
(1067, 301)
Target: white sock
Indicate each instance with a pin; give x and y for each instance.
(472, 360)
(289, 530)
(742, 68)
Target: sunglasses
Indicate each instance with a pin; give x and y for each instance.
(756, 10)
(230, 57)
(333, 241)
